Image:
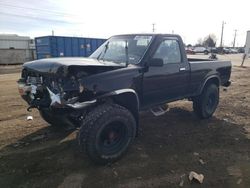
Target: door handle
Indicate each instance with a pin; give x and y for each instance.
(182, 69)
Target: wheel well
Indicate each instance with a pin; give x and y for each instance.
(130, 101)
(213, 80)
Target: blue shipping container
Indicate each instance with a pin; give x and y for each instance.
(57, 46)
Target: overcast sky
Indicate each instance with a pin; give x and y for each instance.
(192, 19)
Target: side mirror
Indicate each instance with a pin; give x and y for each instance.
(156, 62)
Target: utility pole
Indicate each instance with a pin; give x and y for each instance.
(235, 32)
(52, 32)
(222, 30)
(153, 27)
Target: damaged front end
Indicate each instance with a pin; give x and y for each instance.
(65, 87)
(53, 91)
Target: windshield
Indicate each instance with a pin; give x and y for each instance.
(123, 49)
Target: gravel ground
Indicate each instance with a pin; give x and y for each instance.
(33, 154)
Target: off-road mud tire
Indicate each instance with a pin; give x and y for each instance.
(91, 136)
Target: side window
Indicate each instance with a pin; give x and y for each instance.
(169, 51)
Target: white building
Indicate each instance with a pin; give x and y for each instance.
(16, 49)
(247, 48)
(14, 42)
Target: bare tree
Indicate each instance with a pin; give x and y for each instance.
(199, 42)
(210, 41)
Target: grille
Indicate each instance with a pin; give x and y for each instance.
(34, 80)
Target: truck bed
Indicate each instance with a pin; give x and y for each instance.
(201, 70)
(198, 59)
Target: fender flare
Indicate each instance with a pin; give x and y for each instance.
(80, 105)
(121, 91)
(207, 79)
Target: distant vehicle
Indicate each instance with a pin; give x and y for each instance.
(214, 50)
(241, 50)
(226, 50)
(233, 51)
(189, 51)
(201, 50)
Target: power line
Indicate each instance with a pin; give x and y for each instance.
(235, 31)
(39, 18)
(222, 30)
(37, 9)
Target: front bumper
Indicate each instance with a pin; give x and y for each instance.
(29, 93)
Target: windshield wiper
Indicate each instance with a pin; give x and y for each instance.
(101, 55)
(126, 52)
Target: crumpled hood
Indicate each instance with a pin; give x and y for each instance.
(62, 65)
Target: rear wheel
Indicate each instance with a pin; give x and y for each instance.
(107, 132)
(205, 104)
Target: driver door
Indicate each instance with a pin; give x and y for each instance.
(170, 81)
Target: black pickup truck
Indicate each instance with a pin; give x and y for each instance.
(103, 94)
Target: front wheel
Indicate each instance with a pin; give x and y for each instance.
(205, 104)
(107, 132)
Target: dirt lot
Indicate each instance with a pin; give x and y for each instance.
(33, 154)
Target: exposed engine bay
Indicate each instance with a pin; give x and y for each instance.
(46, 91)
(64, 89)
